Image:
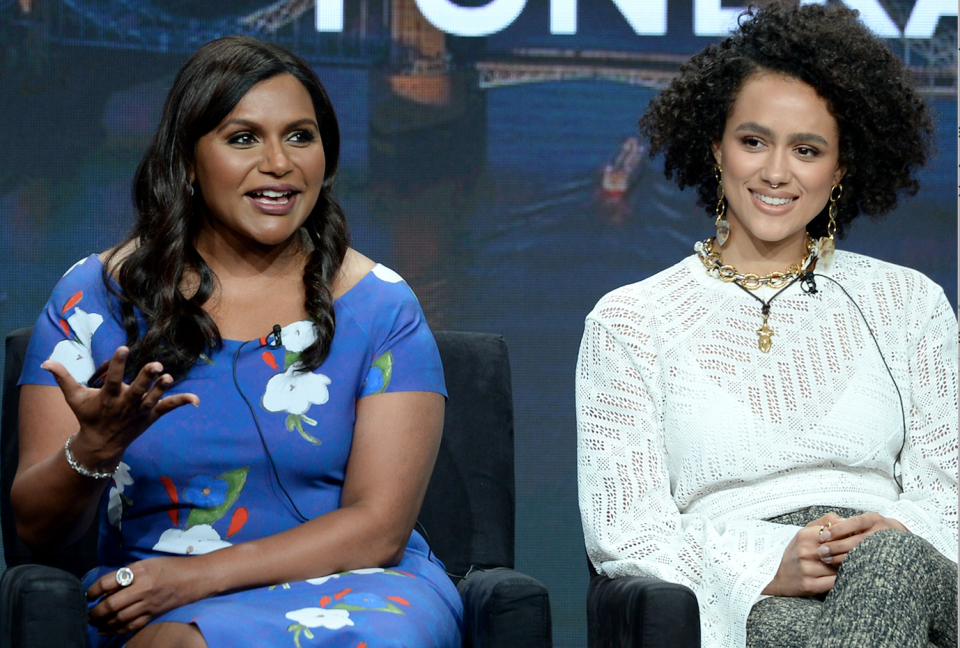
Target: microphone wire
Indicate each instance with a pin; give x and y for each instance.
(256, 422)
(809, 286)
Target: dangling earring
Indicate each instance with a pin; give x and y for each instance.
(722, 225)
(826, 242)
(190, 188)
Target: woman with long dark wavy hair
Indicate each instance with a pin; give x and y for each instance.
(770, 422)
(280, 507)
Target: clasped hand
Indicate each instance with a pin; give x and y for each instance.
(113, 416)
(811, 560)
(159, 585)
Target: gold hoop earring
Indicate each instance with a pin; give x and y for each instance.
(721, 223)
(827, 247)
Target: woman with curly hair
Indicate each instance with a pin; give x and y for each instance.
(279, 510)
(768, 422)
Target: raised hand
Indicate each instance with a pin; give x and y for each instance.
(112, 416)
(801, 572)
(837, 540)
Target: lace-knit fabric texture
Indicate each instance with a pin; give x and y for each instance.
(689, 437)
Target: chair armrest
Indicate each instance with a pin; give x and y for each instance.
(42, 607)
(504, 609)
(641, 612)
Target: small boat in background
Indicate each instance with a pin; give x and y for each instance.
(620, 174)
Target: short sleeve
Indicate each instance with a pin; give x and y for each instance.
(405, 356)
(70, 327)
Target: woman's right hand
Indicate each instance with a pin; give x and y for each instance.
(52, 504)
(113, 416)
(801, 572)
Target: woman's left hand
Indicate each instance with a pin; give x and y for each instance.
(159, 585)
(837, 540)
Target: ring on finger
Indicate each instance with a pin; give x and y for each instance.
(823, 528)
(124, 577)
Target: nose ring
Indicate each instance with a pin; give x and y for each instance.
(774, 186)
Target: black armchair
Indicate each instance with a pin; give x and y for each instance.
(468, 514)
(640, 612)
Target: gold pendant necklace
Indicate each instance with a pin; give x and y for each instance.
(765, 332)
(750, 282)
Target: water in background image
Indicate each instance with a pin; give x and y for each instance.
(492, 206)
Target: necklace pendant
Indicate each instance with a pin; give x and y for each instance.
(764, 333)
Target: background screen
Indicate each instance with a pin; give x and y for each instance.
(474, 155)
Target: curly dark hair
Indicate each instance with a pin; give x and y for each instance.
(160, 322)
(885, 129)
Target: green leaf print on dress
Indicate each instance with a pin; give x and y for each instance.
(234, 479)
(378, 378)
(212, 497)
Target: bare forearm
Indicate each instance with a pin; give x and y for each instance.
(348, 538)
(53, 504)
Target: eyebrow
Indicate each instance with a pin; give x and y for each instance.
(794, 138)
(254, 126)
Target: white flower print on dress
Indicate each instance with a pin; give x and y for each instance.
(384, 273)
(315, 617)
(365, 570)
(298, 336)
(116, 502)
(78, 263)
(75, 354)
(294, 391)
(201, 539)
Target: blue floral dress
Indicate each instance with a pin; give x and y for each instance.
(200, 479)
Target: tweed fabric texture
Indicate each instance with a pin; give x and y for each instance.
(894, 590)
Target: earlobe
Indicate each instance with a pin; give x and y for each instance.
(838, 174)
(717, 155)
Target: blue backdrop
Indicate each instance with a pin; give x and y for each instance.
(471, 165)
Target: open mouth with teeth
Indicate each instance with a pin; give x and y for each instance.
(772, 201)
(270, 197)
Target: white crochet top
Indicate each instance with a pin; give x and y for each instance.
(689, 436)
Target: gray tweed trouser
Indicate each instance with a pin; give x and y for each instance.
(893, 590)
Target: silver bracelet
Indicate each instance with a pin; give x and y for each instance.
(80, 469)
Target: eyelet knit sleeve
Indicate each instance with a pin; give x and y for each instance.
(631, 523)
(928, 505)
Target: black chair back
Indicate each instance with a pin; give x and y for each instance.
(468, 511)
(14, 551)
(81, 556)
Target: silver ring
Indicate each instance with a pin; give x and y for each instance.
(124, 576)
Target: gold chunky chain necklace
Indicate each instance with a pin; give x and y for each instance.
(716, 268)
(748, 282)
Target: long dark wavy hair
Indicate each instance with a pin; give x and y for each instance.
(885, 129)
(160, 322)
